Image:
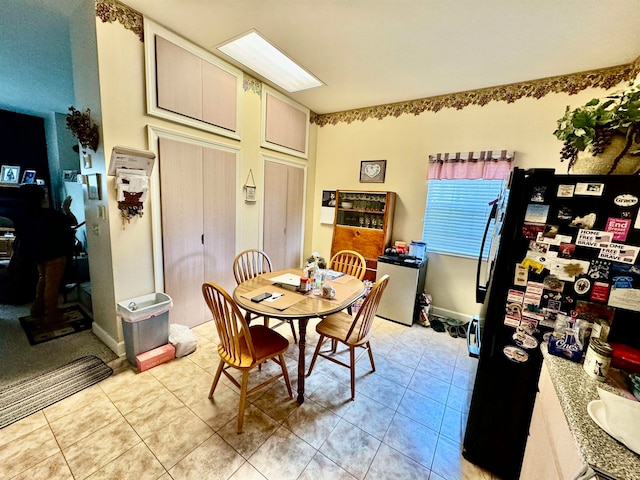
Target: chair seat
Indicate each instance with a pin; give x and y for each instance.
(266, 344)
(337, 326)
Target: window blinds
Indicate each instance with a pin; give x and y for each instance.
(456, 215)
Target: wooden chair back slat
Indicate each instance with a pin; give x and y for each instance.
(349, 262)
(249, 264)
(361, 326)
(232, 328)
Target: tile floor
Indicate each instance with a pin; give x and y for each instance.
(406, 422)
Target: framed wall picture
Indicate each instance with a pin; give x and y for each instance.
(328, 209)
(328, 198)
(29, 176)
(9, 174)
(372, 171)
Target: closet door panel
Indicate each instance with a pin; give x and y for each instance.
(293, 234)
(219, 178)
(179, 77)
(275, 214)
(283, 213)
(182, 214)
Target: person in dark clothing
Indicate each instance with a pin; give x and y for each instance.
(45, 237)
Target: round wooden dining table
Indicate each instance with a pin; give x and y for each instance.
(293, 305)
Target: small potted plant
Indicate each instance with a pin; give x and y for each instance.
(83, 128)
(603, 136)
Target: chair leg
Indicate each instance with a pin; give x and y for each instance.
(315, 354)
(352, 367)
(216, 378)
(243, 398)
(373, 364)
(286, 375)
(293, 331)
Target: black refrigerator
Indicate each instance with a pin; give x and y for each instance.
(562, 244)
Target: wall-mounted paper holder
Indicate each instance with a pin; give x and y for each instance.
(132, 169)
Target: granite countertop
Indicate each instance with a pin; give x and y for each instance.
(575, 389)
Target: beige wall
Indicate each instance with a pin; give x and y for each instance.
(525, 127)
(124, 122)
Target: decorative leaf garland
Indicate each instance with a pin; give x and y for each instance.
(112, 10)
(604, 78)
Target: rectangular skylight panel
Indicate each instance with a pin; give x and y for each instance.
(262, 57)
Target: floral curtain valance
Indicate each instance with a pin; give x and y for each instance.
(471, 166)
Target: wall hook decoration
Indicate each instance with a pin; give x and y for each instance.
(250, 189)
(133, 188)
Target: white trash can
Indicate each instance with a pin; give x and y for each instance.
(145, 323)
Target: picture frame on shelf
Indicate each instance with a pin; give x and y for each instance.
(372, 171)
(29, 177)
(69, 176)
(10, 174)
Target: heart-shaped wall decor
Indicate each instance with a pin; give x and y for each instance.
(372, 170)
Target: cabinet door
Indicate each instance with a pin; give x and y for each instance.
(219, 177)
(182, 213)
(369, 243)
(179, 77)
(539, 459)
(219, 94)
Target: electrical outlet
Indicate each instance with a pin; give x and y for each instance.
(96, 229)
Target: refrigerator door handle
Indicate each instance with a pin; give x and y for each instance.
(481, 290)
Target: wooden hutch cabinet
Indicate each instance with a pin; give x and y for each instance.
(364, 223)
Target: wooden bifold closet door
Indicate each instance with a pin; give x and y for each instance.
(283, 214)
(198, 224)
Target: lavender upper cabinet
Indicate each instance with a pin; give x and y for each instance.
(188, 85)
(285, 124)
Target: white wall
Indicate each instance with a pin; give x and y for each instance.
(525, 127)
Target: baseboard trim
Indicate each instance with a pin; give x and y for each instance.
(443, 312)
(115, 346)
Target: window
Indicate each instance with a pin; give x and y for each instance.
(456, 215)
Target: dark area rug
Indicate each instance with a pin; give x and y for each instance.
(34, 394)
(75, 320)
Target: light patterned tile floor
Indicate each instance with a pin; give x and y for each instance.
(406, 422)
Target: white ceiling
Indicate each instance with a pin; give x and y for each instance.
(372, 52)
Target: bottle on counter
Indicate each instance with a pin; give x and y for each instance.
(600, 329)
